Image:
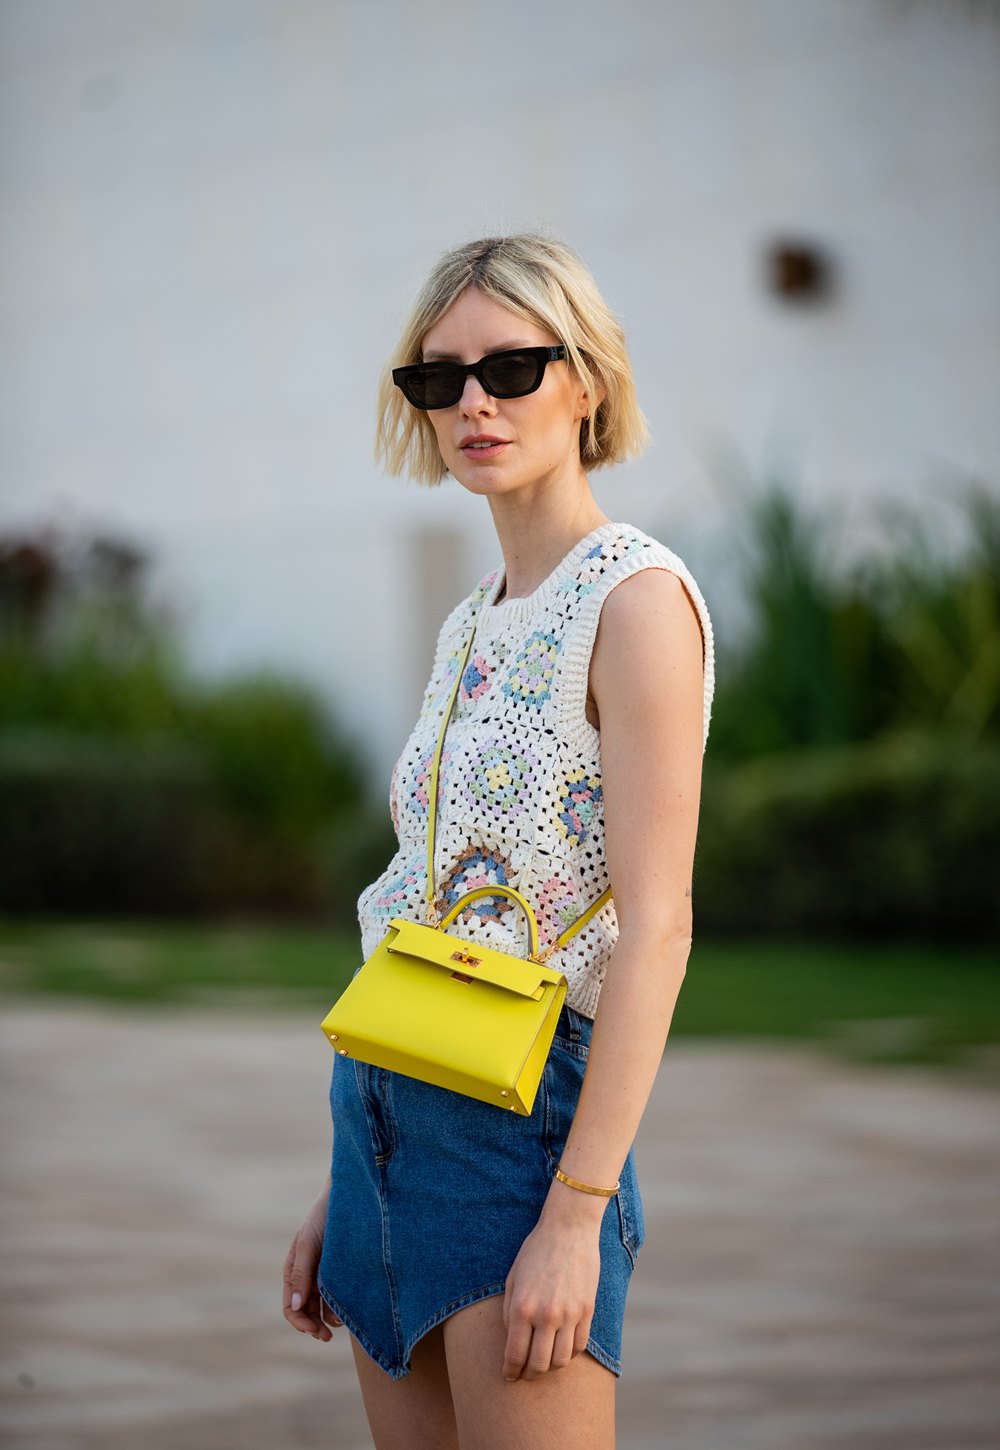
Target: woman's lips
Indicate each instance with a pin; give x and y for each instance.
(482, 447)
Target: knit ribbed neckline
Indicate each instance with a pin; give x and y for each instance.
(509, 610)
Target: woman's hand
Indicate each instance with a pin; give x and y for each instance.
(552, 1286)
(301, 1301)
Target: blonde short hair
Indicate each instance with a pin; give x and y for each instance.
(544, 281)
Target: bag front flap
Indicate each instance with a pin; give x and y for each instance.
(470, 959)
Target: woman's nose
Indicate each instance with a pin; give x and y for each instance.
(475, 398)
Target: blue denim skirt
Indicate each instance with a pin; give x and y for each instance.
(433, 1193)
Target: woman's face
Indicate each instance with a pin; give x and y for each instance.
(535, 439)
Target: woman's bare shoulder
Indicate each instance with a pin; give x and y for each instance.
(651, 606)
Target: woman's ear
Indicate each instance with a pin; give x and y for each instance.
(591, 401)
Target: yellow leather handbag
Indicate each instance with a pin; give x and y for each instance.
(449, 1011)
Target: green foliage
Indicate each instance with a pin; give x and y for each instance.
(943, 623)
(852, 783)
(783, 691)
(897, 837)
(87, 653)
(125, 785)
(105, 823)
(908, 639)
(272, 752)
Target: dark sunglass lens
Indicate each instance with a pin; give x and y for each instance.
(507, 377)
(432, 385)
(440, 385)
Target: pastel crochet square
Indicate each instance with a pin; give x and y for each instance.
(476, 678)
(557, 908)
(530, 679)
(438, 692)
(499, 778)
(478, 866)
(390, 896)
(595, 563)
(579, 804)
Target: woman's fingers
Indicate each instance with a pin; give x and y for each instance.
(548, 1304)
(582, 1335)
(301, 1304)
(518, 1345)
(323, 1330)
(563, 1346)
(535, 1348)
(540, 1354)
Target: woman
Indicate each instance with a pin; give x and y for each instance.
(484, 1293)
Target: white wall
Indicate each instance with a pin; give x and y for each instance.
(216, 211)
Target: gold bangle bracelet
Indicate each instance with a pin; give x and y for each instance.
(586, 1187)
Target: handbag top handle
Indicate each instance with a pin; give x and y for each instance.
(432, 791)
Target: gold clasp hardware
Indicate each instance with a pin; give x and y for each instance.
(465, 959)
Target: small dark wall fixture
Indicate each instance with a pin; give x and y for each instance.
(798, 272)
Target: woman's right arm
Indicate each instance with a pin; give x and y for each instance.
(301, 1301)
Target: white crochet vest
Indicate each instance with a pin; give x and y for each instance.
(520, 801)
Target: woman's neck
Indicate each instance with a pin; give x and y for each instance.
(536, 534)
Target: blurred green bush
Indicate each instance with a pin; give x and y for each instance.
(128, 787)
(906, 638)
(852, 783)
(893, 838)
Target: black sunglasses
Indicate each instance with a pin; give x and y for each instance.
(510, 374)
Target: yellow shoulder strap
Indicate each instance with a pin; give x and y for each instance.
(432, 788)
(432, 793)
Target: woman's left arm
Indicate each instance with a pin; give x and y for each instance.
(646, 677)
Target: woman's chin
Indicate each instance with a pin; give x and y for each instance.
(483, 481)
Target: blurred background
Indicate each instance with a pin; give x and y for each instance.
(215, 214)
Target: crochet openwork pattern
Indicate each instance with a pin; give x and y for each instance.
(520, 800)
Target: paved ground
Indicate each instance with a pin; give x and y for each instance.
(820, 1269)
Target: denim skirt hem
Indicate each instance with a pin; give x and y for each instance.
(399, 1371)
(433, 1193)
